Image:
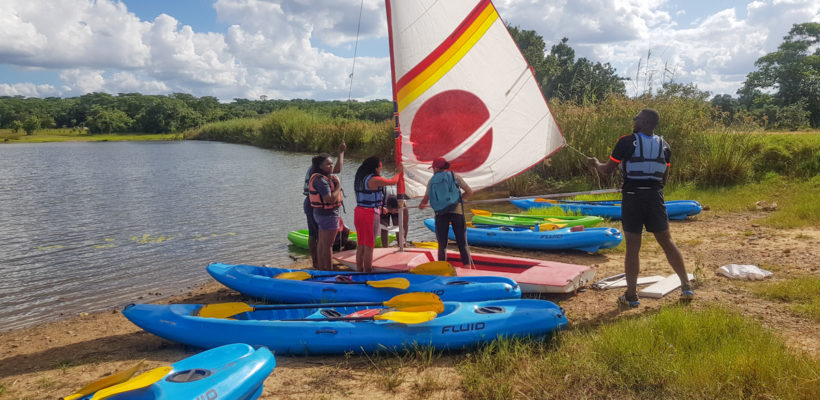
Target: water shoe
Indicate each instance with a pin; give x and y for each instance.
(626, 302)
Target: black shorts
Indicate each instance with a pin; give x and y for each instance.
(386, 219)
(641, 208)
(313, 227)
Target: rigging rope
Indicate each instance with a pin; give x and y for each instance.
(353, 68)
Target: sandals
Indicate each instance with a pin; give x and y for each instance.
(687, 295)
(626, 302)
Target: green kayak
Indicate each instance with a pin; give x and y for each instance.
(300, 238)
(563, 221)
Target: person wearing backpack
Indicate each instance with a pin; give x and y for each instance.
(444, 194)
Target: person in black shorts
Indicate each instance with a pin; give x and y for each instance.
(390, 217)
(643, 159)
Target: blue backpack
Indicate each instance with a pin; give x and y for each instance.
(443, 191)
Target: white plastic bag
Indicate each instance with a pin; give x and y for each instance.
(743, 271)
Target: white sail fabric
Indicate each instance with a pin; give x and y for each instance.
(464, 91)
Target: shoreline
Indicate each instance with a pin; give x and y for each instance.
(53, 359)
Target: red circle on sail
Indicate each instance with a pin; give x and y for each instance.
(444, 121)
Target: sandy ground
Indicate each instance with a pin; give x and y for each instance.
(54, 359)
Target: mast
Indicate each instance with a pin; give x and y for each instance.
(400, 196)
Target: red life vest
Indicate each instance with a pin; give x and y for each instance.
(313, 194)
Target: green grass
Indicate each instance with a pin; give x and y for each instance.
(797, 204)
(292, 129)
(802, 294)
(796, 199)
(69, 135)
(677, 353)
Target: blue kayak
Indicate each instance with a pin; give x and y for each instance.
(231, 372)
(336, 286)
(675, 209)
(588, 239)
(325, 331)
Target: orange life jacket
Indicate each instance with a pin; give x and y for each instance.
(316, 199)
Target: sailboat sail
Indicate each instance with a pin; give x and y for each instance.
(462, 90)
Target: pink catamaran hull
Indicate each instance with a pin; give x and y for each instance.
(534, 276)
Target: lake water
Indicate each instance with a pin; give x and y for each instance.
(92, 226)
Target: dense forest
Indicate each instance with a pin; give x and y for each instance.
(782, 93)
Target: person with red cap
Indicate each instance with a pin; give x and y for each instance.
(444, 193)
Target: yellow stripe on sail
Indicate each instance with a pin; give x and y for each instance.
(448, 60)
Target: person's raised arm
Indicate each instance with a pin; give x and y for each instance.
(338, 167)
(379, 181)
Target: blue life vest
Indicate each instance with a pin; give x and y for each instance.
(442, 190)
(368, 198)
(648, 161)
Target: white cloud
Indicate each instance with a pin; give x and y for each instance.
(28, 90)
(716, 52)
(301, 48)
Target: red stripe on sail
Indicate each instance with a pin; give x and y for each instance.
(432, 57)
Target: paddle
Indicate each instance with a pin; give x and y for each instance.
(537, 227)
(429, 268)
(592, 202)
(403, 317)
(396, 283)
(141, 381)
(426, 245)
(415, 301)
(113, 379)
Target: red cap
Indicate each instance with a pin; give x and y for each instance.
(440, 163)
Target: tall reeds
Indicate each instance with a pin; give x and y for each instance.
(704, 152)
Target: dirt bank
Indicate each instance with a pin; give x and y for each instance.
(54, 359)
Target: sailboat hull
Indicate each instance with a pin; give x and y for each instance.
(534, 276)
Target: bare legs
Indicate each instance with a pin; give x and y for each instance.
(312, 246)
(632, 265)
(674, 257)
(324, 249)
(364, 258)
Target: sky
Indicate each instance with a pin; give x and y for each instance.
(286, 49)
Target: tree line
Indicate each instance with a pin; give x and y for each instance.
(177, 112)
(782, 93)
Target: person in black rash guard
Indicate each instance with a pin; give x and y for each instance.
(643, 159)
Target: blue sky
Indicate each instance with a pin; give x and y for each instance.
(304, 48)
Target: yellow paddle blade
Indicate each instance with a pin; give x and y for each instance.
(556, 220)
(223, 310)
(469, 224)
(139, 382)
(398, 283)
(425, 245)
(407, 317)
(416, 302)
(481, 213)
(539, 200)
(110, 380)
(550, 227)
(442, 268)
(296, 275)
